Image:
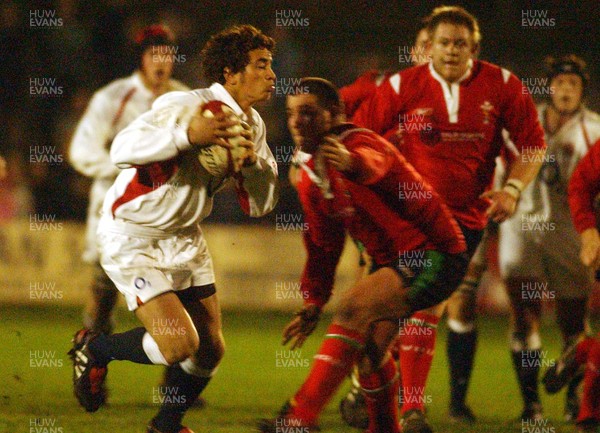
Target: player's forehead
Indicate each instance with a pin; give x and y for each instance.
(452, 32)
(260, 56)
(567, 77)
(302, 101)
(157, 49)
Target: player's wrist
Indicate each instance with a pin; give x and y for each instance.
(514, 188)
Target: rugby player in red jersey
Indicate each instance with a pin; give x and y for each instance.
(447, 117)
(354, 182)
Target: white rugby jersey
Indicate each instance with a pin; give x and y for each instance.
(111, 109)
(545, 197)
(163, 188)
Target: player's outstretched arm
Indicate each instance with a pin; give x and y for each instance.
(324, 242)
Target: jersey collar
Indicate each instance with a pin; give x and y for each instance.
(136, 78)
(222, 94)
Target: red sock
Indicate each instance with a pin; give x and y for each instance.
(340, 350)
(417, 346)
(590, 403)
(381, 394)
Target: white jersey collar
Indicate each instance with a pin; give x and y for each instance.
(223, 95)
(451, 90)
(136, 79)
(577, 117)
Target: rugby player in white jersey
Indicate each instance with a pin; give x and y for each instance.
(539, 245)
(151, 245)
(111, 109)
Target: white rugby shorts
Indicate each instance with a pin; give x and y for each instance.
(548, 254)
(144, 264)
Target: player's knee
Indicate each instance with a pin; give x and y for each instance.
(463, 306)
(177, 349)
(213, 355)
(353, 314)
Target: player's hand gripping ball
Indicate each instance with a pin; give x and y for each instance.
(218, 160)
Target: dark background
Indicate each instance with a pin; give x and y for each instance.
(342, 39)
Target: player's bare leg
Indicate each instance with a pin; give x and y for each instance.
(526, 343)
(92, 352)
(572, 321)
(104, 296)
(188, 378)
(358, 331)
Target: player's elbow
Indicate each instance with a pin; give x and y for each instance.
(257, 210)
(118, 153)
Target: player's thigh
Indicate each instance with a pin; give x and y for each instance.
(169, 323)
(519, 251)
(205, 312)
(567, 276)
(379, 296)
(437, 310)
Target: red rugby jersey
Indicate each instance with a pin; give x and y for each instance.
(361, 89)
(387, 206)
(584, 186)
(452, 134)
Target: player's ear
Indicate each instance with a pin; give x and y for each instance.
(475, 50)
(230, 77)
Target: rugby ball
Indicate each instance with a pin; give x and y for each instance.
(218, 160)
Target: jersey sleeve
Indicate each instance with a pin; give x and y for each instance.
(360, 90)
(324, 243)
(159, 134)
(371, 159)
(257, 186)
(584, 186)
(380, 112)
(89, 149)
(520, 117)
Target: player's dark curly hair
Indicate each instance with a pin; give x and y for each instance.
(454, 15)
(230, 48)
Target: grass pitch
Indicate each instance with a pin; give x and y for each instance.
(255, 378)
